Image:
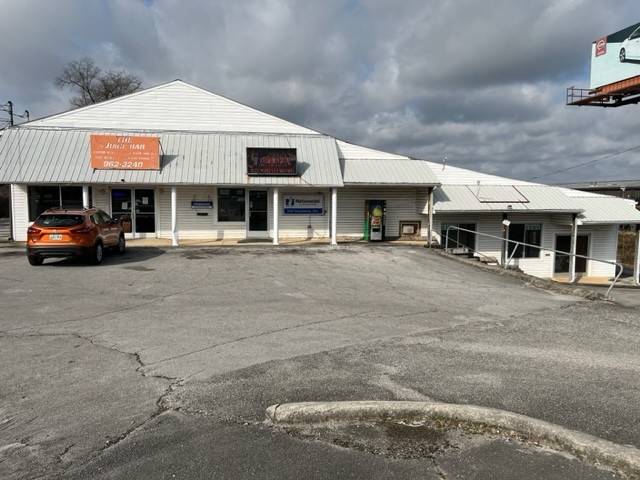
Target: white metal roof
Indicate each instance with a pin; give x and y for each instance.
(357, 152)
(44, 155)
(387, 172)
(450, 175)
(366, 166)
(608, 210)
(464, 190)
(503, 198)
(175, 106)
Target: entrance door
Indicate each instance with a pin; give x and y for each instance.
(145, 214)
(258, 213)
(121, 207)
(563, 244)
(136, 207)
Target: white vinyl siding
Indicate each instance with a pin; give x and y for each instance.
(20, 212)
(602, 241)
(603, 245)
(192, 226)
(401, 206)
(302, 226)
(101, 197)
(422, 201)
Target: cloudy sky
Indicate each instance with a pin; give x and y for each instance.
(481, 83)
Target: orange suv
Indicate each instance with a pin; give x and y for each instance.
(68, 232)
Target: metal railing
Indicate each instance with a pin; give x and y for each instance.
(508, 260)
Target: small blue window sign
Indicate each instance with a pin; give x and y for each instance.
(202, 204)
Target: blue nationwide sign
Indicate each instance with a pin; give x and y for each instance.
(304, 204)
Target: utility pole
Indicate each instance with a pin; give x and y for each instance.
(9, 109)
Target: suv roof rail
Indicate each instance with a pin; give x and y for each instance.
(62, 207)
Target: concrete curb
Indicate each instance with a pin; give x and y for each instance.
(624, 458)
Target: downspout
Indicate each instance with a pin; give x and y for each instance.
(430, 227)
(174, 216)
(636, 265)
(574, 248)
(276, 207)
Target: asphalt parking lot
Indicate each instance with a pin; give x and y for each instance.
(161, 363)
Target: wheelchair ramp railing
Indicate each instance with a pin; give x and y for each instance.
(619, 267)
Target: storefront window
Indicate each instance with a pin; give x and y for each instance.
(72, 197)
(527, 233)
(231, 204)
(459, 238)
(42, 198)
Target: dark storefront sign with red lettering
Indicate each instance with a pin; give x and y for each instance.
(274, 162)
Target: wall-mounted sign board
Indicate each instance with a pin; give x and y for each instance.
(122, 152)
(274, 162)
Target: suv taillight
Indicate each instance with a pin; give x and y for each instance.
(33, 231)
(85, 229)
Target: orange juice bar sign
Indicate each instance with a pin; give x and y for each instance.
(116, 152)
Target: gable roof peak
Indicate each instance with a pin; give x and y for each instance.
(175, 106)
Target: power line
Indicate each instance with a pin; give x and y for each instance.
(586, 163)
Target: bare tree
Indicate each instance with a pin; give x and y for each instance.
(94, 85)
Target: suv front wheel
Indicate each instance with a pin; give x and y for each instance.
(122, 246)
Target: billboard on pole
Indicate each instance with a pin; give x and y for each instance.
(616, 57)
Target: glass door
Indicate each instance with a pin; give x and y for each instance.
(145, 214)
(562, 261)
(137, 209)
(258, 213)
(121, 207)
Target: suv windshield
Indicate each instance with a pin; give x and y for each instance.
(59, 220)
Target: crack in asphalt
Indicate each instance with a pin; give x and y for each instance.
(151, 301)
(161, 405)
(280, 330)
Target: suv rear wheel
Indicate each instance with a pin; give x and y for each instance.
(97, 253)
(34, 260)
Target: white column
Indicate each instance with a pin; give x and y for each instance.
(430, 228)
(636, 265)
(276, 208)
(174, 216)
(334, 216)
(85, 196)
(574, 248)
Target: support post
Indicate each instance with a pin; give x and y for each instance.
(85, 196)
(174, 216)
(276, 208)
(430, 227)
(334, 216)
(636, 264)
(574, 248)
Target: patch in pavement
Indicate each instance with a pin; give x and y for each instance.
(456, 450)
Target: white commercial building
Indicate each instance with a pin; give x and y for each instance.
(178, 162)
